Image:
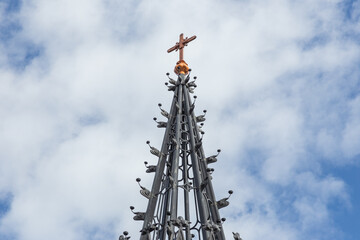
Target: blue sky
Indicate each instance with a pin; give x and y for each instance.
(81, 82)
(349, 219)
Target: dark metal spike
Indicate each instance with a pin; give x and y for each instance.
(143, 191)
(236, 236)
(160, 124)
(171, 88)
(163, 112)
(201, 118)
(154, 150)
(193, 105)
(213, 158)
(138, 215)
(224, 202)
(150, 168)
(124, 236)
(172, 81)
(192, 84)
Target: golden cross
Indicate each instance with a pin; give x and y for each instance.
(180, 45)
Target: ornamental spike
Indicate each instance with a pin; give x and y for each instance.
(224, 202)
(236, 236)
(163, 112)
(150, 168)
(171, 87)
(201, 118)
(213, 158)
(154, 150)
(124, 236)
(160, 124)
(139, 216)
(143, 191)
(172, 81)
(192, 107)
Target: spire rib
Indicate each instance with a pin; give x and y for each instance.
(209, 188)
(196, 170)
(159, 171)
(164, 216)
(175, 160)
(185, 176)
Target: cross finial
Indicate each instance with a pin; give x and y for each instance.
(181, 66)
(180, 45)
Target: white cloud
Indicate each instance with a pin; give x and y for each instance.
(351, 134)
(74, 120)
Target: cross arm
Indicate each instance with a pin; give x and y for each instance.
(187, 40)
(176, 47)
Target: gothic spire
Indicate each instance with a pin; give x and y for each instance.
(181, 203)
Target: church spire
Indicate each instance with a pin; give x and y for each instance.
(181, 203)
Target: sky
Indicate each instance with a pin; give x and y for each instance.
(81, 80)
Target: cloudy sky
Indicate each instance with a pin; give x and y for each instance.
(80, 82)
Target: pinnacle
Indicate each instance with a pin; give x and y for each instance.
(182, 170)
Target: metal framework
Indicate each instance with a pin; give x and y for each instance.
(181, 204)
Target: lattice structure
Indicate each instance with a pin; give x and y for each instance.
(181, 203)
